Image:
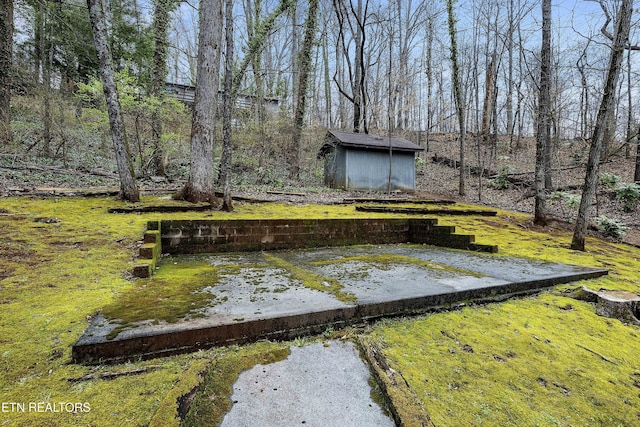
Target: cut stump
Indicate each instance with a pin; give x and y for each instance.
(621, 305)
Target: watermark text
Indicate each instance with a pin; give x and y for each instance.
(56, 407)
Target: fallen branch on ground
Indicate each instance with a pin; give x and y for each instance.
(597, 354)
(426, 211)
(112, 375)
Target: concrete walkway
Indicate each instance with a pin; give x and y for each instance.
(320, 385)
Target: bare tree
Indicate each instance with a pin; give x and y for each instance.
(295, 36)
(543, 134)
(6, 69)
(46, 57)
(457, 89)
(253, 13)
(359, 112)
(128, 188)
(304, 67)
(327, 80)
(636, 173)
(584, 93)
(629, 135)
(410, 17)
(158, 75)
(227, 110)
(200, 186)
(256, 43)
(620, 41)
(510, 81)
(353, 18)
(429, 76)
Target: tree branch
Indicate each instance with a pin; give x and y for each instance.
(605, 30)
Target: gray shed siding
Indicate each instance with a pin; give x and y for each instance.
(369, 170)
(335, 168)
(355, 161)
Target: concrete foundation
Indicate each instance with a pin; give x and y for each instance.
(266, 301)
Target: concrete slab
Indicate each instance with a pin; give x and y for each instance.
(325, 384)
(267, 299)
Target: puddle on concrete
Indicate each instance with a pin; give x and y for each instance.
(370, 273)
(253, 286)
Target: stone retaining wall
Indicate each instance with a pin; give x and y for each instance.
(202, 236)
(211, 236)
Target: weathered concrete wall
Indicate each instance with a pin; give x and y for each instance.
(207, 236)
(150, 252)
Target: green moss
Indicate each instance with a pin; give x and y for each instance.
(211, 402)
(310, 279)
(167, 414)
(517, 366)
(174, 293)
(524, 362)
(54, 276)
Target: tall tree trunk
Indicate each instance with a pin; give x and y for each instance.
(294, 50)
(338, 78)
(46, 57)
(487, 108)
(158, 76)
(636, 173)
(359, 70)
(457, 89)
(227, 110)
(253, 15)
(6, 70)
(301, 102)
(584, 94)
(509, 106)
(429, 72)
(629, 135)
(543, 134)
(623, 24)
(128, 188)
(400, 75)
(327, 80)
(200, 186)
(552, 116)
(519, 104)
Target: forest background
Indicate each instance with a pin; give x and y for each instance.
(508, 98)
(366, 66)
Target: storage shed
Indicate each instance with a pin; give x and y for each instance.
(356, 161)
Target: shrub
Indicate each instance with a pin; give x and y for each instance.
(629, 194)
(501, 181)
(611, 227)
(571, 201)
(609, 180)
(578, 157)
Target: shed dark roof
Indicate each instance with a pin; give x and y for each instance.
(366, 141)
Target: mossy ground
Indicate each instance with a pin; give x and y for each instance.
(175, 292)
(63, 260)
(542, 361)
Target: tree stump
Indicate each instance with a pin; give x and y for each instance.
(621, 305)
